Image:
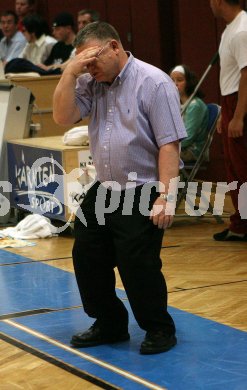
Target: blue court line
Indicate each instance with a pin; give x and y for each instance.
(36, 286)
(71, 358)
(9, 257)
(208, 356)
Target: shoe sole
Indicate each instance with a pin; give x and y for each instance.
(225, 236)
(80, 344)
(153, 350)
(232, 239)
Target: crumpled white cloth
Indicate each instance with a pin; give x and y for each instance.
(77, 136)
(32, 226)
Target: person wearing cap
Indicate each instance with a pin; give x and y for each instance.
(63, 31)
(84, 17)
(39, 46)
(195, 114)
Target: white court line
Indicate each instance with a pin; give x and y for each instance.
(85, 356)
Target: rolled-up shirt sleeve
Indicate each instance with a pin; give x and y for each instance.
(165, 115)
(83, 94)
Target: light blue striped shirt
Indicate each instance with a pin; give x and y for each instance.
(130, 120)
(10, 49)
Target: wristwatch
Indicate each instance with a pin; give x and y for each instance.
(167, 197)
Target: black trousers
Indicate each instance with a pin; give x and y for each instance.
(21, 65)
(132, 244)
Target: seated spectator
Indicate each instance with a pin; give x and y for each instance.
(39, 43)
(62, 51)
(13, 42)
(195, 115)
(63, 31)
(86, 16)
(20, 65)
(23, 8)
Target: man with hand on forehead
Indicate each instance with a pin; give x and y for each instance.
(134, 130)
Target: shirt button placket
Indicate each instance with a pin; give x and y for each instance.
(106, 141)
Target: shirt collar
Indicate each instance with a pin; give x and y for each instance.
(123, 74)
(126, 69)
(7, 41)
(4, 40)
(40, 41)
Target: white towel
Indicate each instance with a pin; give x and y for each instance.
(77, 136)
(33, 226)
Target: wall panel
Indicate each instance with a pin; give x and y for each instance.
(100, 6)
(55, 7)
(198, 42)
(118, 14)
(146, 31)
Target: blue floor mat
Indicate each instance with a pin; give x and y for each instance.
(36, 286)
(10, 258)
(208, 356)
(205, 357)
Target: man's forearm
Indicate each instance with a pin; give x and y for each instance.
(65, 111)
(168, 166)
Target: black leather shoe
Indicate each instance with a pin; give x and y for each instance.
(157, 342)
(228, 235)
(93, 336)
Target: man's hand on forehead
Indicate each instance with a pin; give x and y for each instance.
(89, 52)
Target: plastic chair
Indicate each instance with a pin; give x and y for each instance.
(189, 170)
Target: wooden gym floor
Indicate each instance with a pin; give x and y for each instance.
(204, 277)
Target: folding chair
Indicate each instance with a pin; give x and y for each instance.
(189, 170)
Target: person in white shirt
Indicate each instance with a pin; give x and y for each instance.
(39, 44)
(13, 41)
(233, 124)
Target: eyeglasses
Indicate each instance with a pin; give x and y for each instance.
(102, 49)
